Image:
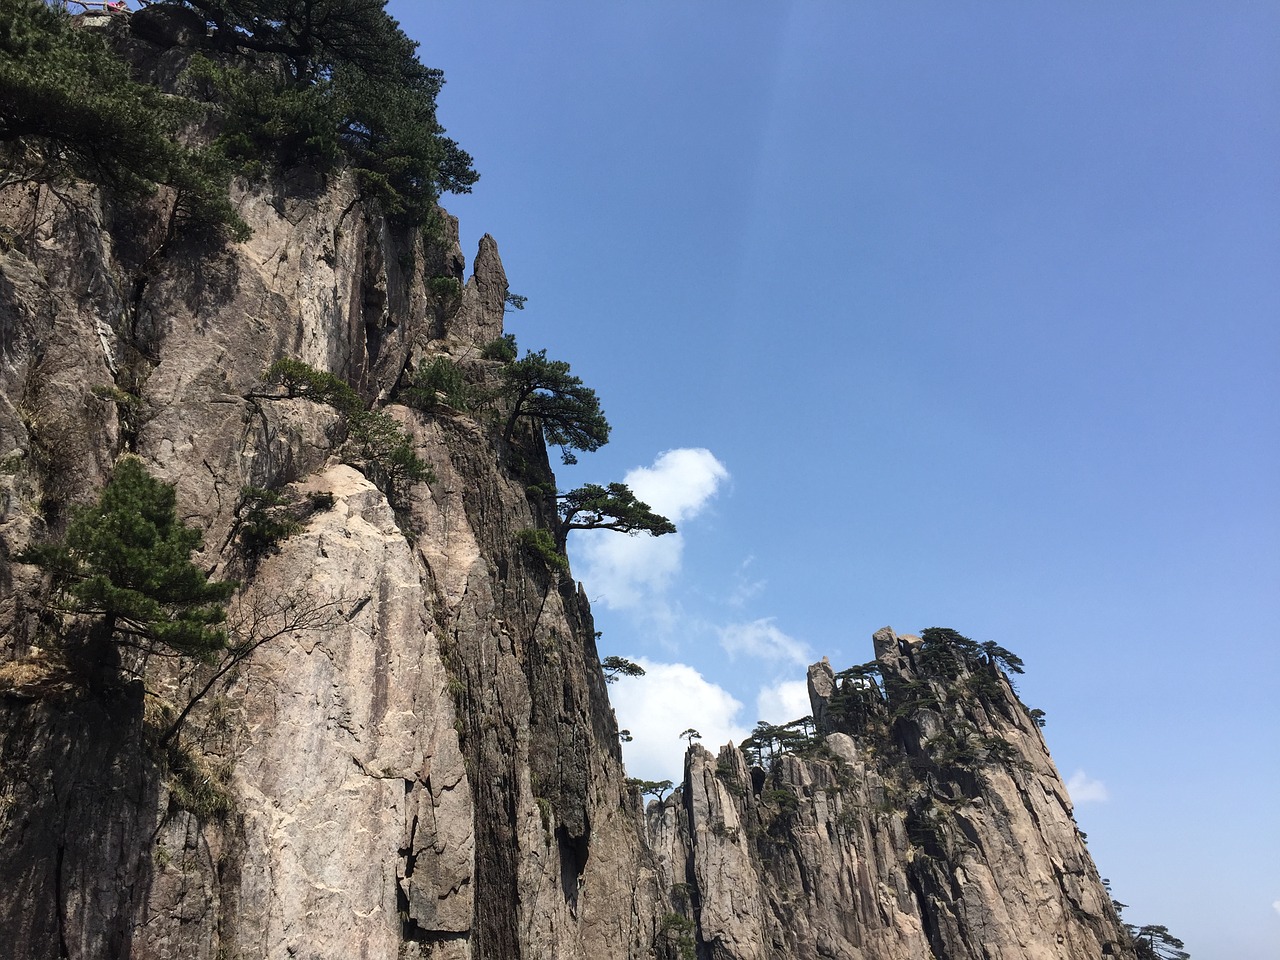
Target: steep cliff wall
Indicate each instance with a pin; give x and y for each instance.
(417, 757)
(424, 761)
(923, 819)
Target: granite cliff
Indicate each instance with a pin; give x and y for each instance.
(416, 755)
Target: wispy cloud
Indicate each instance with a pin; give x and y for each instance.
(745, 587)
(670, 698)
(763, 640)
(1084, 789)
(634, 573)
(1275, 905)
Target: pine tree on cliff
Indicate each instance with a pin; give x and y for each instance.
(567, 411)
(69, 110)
(1155, 942)
(616, 507)
(351, 87)
(125, 563)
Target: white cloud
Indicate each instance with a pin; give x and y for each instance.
(1275, 905)
(679, 483)
(633, 572)
(760, 638)
(787, 701)
(625, 572)
(669, 698)
(1084, 789)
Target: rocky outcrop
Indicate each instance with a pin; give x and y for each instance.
(924, 819)
(423, 762)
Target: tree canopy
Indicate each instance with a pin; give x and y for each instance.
(316, 37)
(69, 109)
(945, 650)
(768, 741)
(288, 81)
(593, 507)
(568, 412)
(125, 561)
(351, 85)
(615, 667)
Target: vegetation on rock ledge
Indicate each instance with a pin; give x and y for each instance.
(288, 82)
(70, 109)
(125, 563)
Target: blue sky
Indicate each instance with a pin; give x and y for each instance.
(924, 315)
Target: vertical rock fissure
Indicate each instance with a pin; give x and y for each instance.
(60, 904)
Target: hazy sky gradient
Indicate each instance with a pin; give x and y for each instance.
(971, 311)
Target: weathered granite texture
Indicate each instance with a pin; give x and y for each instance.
(419, 760)
(938, 830)
(425, 763)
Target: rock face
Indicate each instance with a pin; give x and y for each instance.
(924, 819)
(415, 756)
(423, 762)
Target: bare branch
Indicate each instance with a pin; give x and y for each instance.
(255, 622)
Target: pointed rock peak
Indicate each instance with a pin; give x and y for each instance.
(478, 319)
(886, 642)
(822, 684)
(488, 274)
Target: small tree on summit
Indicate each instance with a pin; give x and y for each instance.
(568, 412)
(125, 561)
(652, 788)
(593, 507)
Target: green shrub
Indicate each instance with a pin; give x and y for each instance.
(678, 934)
(375, 441)
(322, 500)
(262, 522)
(436, 379)
(541, 545)
(387, 453)
(197, 786)
(786, 802)
(445, 288)
(502, 349)
(301, 380)
(997, 749)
